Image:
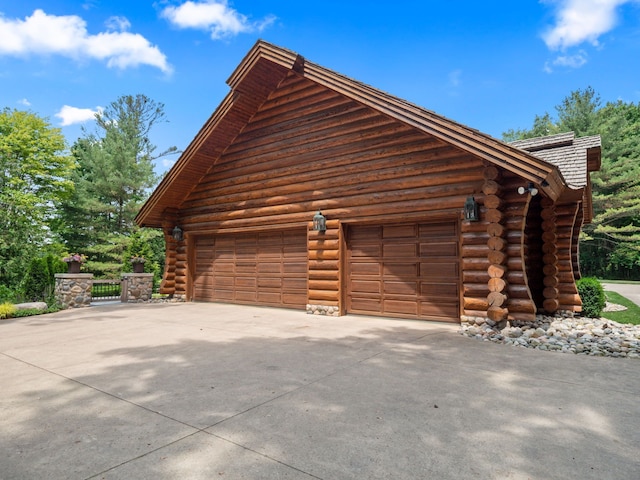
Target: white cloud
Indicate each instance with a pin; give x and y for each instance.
(72, 115)
(567, 61)
(571, 61)
(43, 34)
(215, 16)
(579, 21)
(24, 102)
(118, 24)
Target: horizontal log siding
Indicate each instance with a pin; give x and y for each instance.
(308, 148)
(324, 274)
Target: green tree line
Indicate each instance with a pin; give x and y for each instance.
(55, 199)
(610, 245)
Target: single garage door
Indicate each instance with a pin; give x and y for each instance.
(268, 268)
(408, 270)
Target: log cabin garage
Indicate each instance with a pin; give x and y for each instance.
(307, 189)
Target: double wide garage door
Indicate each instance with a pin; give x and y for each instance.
(408, 270)
(267, 268)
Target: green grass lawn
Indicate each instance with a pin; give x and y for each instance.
(630, 315)
(602, 280)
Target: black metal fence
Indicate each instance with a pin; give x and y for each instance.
(106, 290)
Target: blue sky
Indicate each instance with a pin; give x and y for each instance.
(492, 65)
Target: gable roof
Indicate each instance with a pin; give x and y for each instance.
(575, 157)
(260, 72)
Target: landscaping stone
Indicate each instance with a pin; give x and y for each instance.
(31, 306)
(567, 334)
(331, 311)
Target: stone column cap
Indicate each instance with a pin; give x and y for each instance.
(73, 275)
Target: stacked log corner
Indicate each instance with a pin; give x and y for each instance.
(174, 280)
(568, 221)
(497, 245)
(324, 270)
(550, 256)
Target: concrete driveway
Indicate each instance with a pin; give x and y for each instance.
(203, 391)
(628, 290)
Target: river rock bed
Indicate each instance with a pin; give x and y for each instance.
(566, 334)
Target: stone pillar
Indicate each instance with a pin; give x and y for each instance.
(139, 286)
(73, 290)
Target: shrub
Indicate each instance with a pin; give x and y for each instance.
(37, 280)
(7, 295)
(592, 295)
(7, 310)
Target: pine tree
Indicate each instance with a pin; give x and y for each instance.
(114, 176)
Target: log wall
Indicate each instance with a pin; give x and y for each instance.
(324, 266)
(308, 149)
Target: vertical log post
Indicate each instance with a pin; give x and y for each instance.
(550, 257)
(497, 244)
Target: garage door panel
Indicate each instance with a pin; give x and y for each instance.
(221, 281)
(366, 233)
(410, 270)
(220, 268)
(400, 288)
(222, 294)
(365, 268)
(294, 299)
(441, 310)
(269, 282)
(243, 267)
(365, 286)
(399, 250)
(403, 307)
(292, 267)
(439, 290)
(367, 251)
(245, 296)
(271, 298)
(399, 231)
(438, 271)
(270, 251)
(365, 305)
(293, 284)
(268, 268)
(400, 270)
(245, 282)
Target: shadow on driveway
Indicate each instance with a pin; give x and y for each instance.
(218, 391)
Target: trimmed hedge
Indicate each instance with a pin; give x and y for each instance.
(592, 295)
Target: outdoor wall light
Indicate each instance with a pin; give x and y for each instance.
(530, 188)
(176, 233)
(319, 222)
(471, 210)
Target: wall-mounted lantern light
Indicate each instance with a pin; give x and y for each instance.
(176, 233)
(319, 222)
(529, 188)
(471, 210)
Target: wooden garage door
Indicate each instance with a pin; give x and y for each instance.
(268, 268)
(408, 270)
